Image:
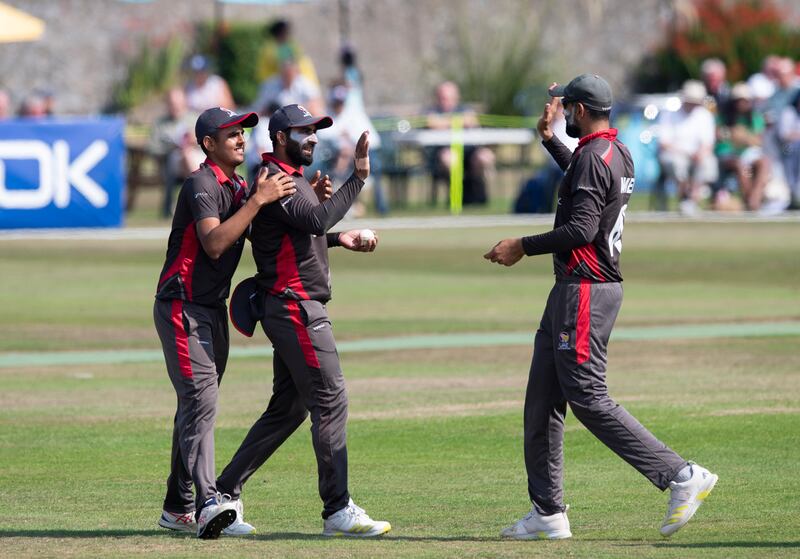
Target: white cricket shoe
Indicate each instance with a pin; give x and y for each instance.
(686, 497)
(215, 517)
(180, 522)
(239, 527)
(352, 520)
(534, 526)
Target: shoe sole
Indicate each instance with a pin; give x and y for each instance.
(174, 527)
(539, 536)
(701, 496)
(338, 534)
(216, 525)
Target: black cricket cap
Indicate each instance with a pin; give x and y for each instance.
(246, 306)
(589, 89)
(292, 116)
(217, 118)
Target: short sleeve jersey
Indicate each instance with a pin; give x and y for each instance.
(189, 273)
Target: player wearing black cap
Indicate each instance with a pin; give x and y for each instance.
(569, 358)
(213, 211)
(290, 241)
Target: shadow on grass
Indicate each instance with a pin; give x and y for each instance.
(712, 545)
(388, 538)
(274, 536)
(85, 533)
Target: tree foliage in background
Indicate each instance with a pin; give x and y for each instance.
(502, 71)
(238, 45)
(152, 72)
(739, 32)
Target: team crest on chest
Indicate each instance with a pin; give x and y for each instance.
(563, 341)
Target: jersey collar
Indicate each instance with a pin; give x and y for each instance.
(609, 134)
(270, 158)
(222, 178)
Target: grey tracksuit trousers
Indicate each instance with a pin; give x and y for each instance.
(307, 380)
(569, 367)
(195, 343)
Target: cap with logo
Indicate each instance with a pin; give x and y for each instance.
(293, 116)
(589, 89)
(217, 118)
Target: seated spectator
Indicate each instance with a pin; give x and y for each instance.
(206, 90)
(740, 131)
(686, 146)
(478, 161)
(290, 88)
(172, 141)
(5, 105)
(33, 106)
(713, 72)
(789, 135)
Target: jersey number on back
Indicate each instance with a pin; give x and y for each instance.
(615, 237)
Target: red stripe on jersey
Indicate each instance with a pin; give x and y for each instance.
(302, 334)
(181, 339)
(608, 155)
(286, 270)
(583, 324)
(285, 167)
(588, 255)
(183, 265)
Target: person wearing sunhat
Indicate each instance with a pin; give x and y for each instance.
(214, 210)
(569, 357)
(290, 240)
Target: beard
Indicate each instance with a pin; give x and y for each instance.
(573, 131)
(294, 151)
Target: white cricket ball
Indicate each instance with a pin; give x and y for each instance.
(366, 236)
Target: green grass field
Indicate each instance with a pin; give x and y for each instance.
(435, 435)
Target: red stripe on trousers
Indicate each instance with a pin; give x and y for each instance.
(181, 339)
(302, 334)
(184, 262)
(288, 276)
(583, 326)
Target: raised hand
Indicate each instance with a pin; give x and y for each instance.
(269, 189)
(362, 156)
(322, 186)
(545, 124)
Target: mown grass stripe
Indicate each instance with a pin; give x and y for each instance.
(429, 341)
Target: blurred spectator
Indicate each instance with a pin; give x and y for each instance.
(172, 141)
(686, 146)
(478, 161)
(33, 106)
(786, 87)
(763, 84)
(206, 90)
(49, 99)
(740, 132)
(259, 141)
(789, 134)
(279, 47)
(289, 88)
(713, 72)
(337, 143)
(5, 105)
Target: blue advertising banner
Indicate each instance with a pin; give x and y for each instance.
(62, 173)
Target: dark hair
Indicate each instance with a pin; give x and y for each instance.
(273, 137)
(278, 28)
(729, 115)
(347, 57)
(200, 140)
(596, 114)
